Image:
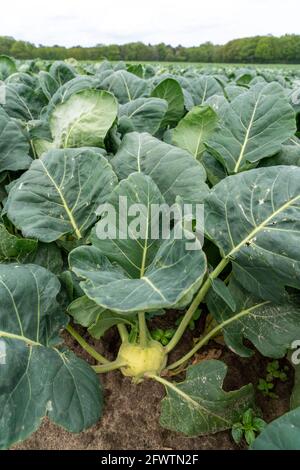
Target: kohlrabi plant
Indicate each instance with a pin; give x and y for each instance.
(84, 159)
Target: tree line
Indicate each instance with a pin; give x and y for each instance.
(258, 49)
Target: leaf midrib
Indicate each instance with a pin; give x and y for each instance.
(262, 225)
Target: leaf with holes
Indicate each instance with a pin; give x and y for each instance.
(199, 405)
(272, 328)
(254, 219)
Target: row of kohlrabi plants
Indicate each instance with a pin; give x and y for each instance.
(74, 137)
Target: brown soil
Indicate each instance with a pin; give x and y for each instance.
(131, 415)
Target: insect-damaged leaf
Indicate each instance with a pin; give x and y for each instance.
(36, 377)
(270, 327)
(254, 218)
(199, 405)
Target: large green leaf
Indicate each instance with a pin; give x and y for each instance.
(125, 86)
(84, 119)
(281, 434)
(24, 97)
(60, 193)
(195, 129)
(36, 378)
(64, 92)
(174, 170)
(134, 252)
(14, 147)
(136, 272)
(142, 115)
(199, 405)
(270, 327)
(254, 218)
(252, 127)
(170, 90)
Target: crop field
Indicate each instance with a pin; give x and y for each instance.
(149, 255)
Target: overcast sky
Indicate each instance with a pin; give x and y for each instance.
(186, 22)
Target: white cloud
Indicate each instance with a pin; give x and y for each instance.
(190, 22)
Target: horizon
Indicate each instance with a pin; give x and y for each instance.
(147, 44)
(88, 23)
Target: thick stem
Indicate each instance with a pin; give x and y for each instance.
(143, 330)
(108, 367)
(195, 304)
(91, 351)
(211, 334)
(123, 332)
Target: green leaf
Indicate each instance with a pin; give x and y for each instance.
(237, 433)
(138, 272)
(249, 436)
(14, 147)
(66, 389)
(200, 89)
(84, 119)
(24, 97)
(252, 127)
(142, 115)
(270, 327)
(60, 193)
(98, 320)
(136, 69)
(254, 219)
(48, 84)
(7, 67)
(195, 129)
(14, 248)
(170, 90)
(288, 155)
(125, 86)
(199, 405)
(62, 72)
(215, 171)
(281, 434)
(47, 255)
(174, 170)
(222, 291)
